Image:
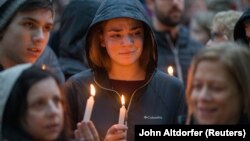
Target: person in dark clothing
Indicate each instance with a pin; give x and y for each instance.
(122, 54)
(218, 85)
(175, 47)
(25, 27)
(242, 29)
(72, 35)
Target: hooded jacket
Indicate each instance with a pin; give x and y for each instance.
(7, 81)
(158, 101)
(239, 29)
(72, 34)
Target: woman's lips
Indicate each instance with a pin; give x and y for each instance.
(52, 128)
(127, 52)
(206, 112)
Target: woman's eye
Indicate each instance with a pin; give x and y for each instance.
(197, 86)
(57, 101)
(137, 33)
(115, 35)
(217, 88)
(28, 25)
(47, 28)
(38, 104)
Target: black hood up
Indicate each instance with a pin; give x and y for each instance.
(111, 9)
(239, 30)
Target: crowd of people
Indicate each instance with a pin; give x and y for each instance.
(172, 65)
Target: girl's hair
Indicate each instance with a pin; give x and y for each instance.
(16, 106)
(235, 60)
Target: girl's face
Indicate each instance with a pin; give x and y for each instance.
(123, 39)
(44, 116)
(215, 98)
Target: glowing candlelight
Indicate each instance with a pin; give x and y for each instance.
(122, 111)
(43, 67)
(90, 103)
(171, 70)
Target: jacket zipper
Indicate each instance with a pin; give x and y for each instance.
(120, 95)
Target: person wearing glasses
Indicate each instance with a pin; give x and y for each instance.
(222, 28)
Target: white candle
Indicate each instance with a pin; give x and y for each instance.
(89, 104)
(171, 70)
(122, 111)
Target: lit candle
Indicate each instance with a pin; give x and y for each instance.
(89, 104)
(43, 67)
(171, 70)
(122, 111)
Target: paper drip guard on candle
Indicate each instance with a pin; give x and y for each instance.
(89, 104)
(122, 111)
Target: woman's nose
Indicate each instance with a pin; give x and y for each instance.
(127, 40)
(53, 108)
(204, 94)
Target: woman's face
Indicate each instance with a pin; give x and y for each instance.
(215, 98)
(44, 116)
(217, 36)
(123, 39)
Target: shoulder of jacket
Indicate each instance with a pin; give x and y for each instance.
(162, 78)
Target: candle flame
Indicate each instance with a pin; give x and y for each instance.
(92, 90)
(123, 100)
(43, 67)
(171, 70)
